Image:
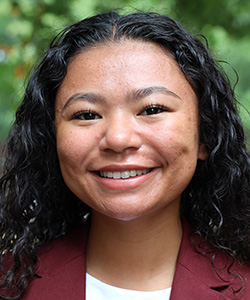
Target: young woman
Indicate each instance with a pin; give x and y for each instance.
(127, 174)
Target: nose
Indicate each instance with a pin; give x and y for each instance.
(120, 134)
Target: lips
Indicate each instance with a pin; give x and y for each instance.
(123, 174)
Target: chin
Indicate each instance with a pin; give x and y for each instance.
(125, 215)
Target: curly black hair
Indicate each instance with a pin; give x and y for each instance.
(36, 206)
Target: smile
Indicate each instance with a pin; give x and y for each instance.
(124, 174)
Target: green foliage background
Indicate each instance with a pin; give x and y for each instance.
(26, 27)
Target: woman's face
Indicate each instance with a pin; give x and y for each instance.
(127, 129)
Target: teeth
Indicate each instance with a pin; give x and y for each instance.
(124, 174)
(116, 175)
(139, 172)
(132, 173)
(109, 174)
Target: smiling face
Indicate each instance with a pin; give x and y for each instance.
(127, 130)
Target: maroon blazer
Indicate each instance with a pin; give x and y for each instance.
(61, 271)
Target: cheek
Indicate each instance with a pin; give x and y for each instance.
(72, 147)
(177, 138)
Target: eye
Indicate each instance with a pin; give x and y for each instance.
(153, 109)
(86, 115)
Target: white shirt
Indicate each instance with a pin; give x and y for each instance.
(98, 290)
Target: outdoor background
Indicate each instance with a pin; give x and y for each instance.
(26, 27)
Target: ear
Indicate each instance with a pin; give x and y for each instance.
(203, 154)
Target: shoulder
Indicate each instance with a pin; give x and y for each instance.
(61, 268)
(204, 272)
(58, 252)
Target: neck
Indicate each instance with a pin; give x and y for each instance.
(140, 254)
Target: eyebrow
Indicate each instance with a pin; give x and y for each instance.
(89, 97)
(137, 94)
(145, 92)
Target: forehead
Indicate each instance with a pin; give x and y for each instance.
(121, 56)
(124, 64)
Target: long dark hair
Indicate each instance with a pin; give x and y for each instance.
(36, 205)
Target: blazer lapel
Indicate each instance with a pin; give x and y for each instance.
(61, 271)
(189, 286)
(195, 277)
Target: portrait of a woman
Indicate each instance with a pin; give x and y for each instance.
(127, 174)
